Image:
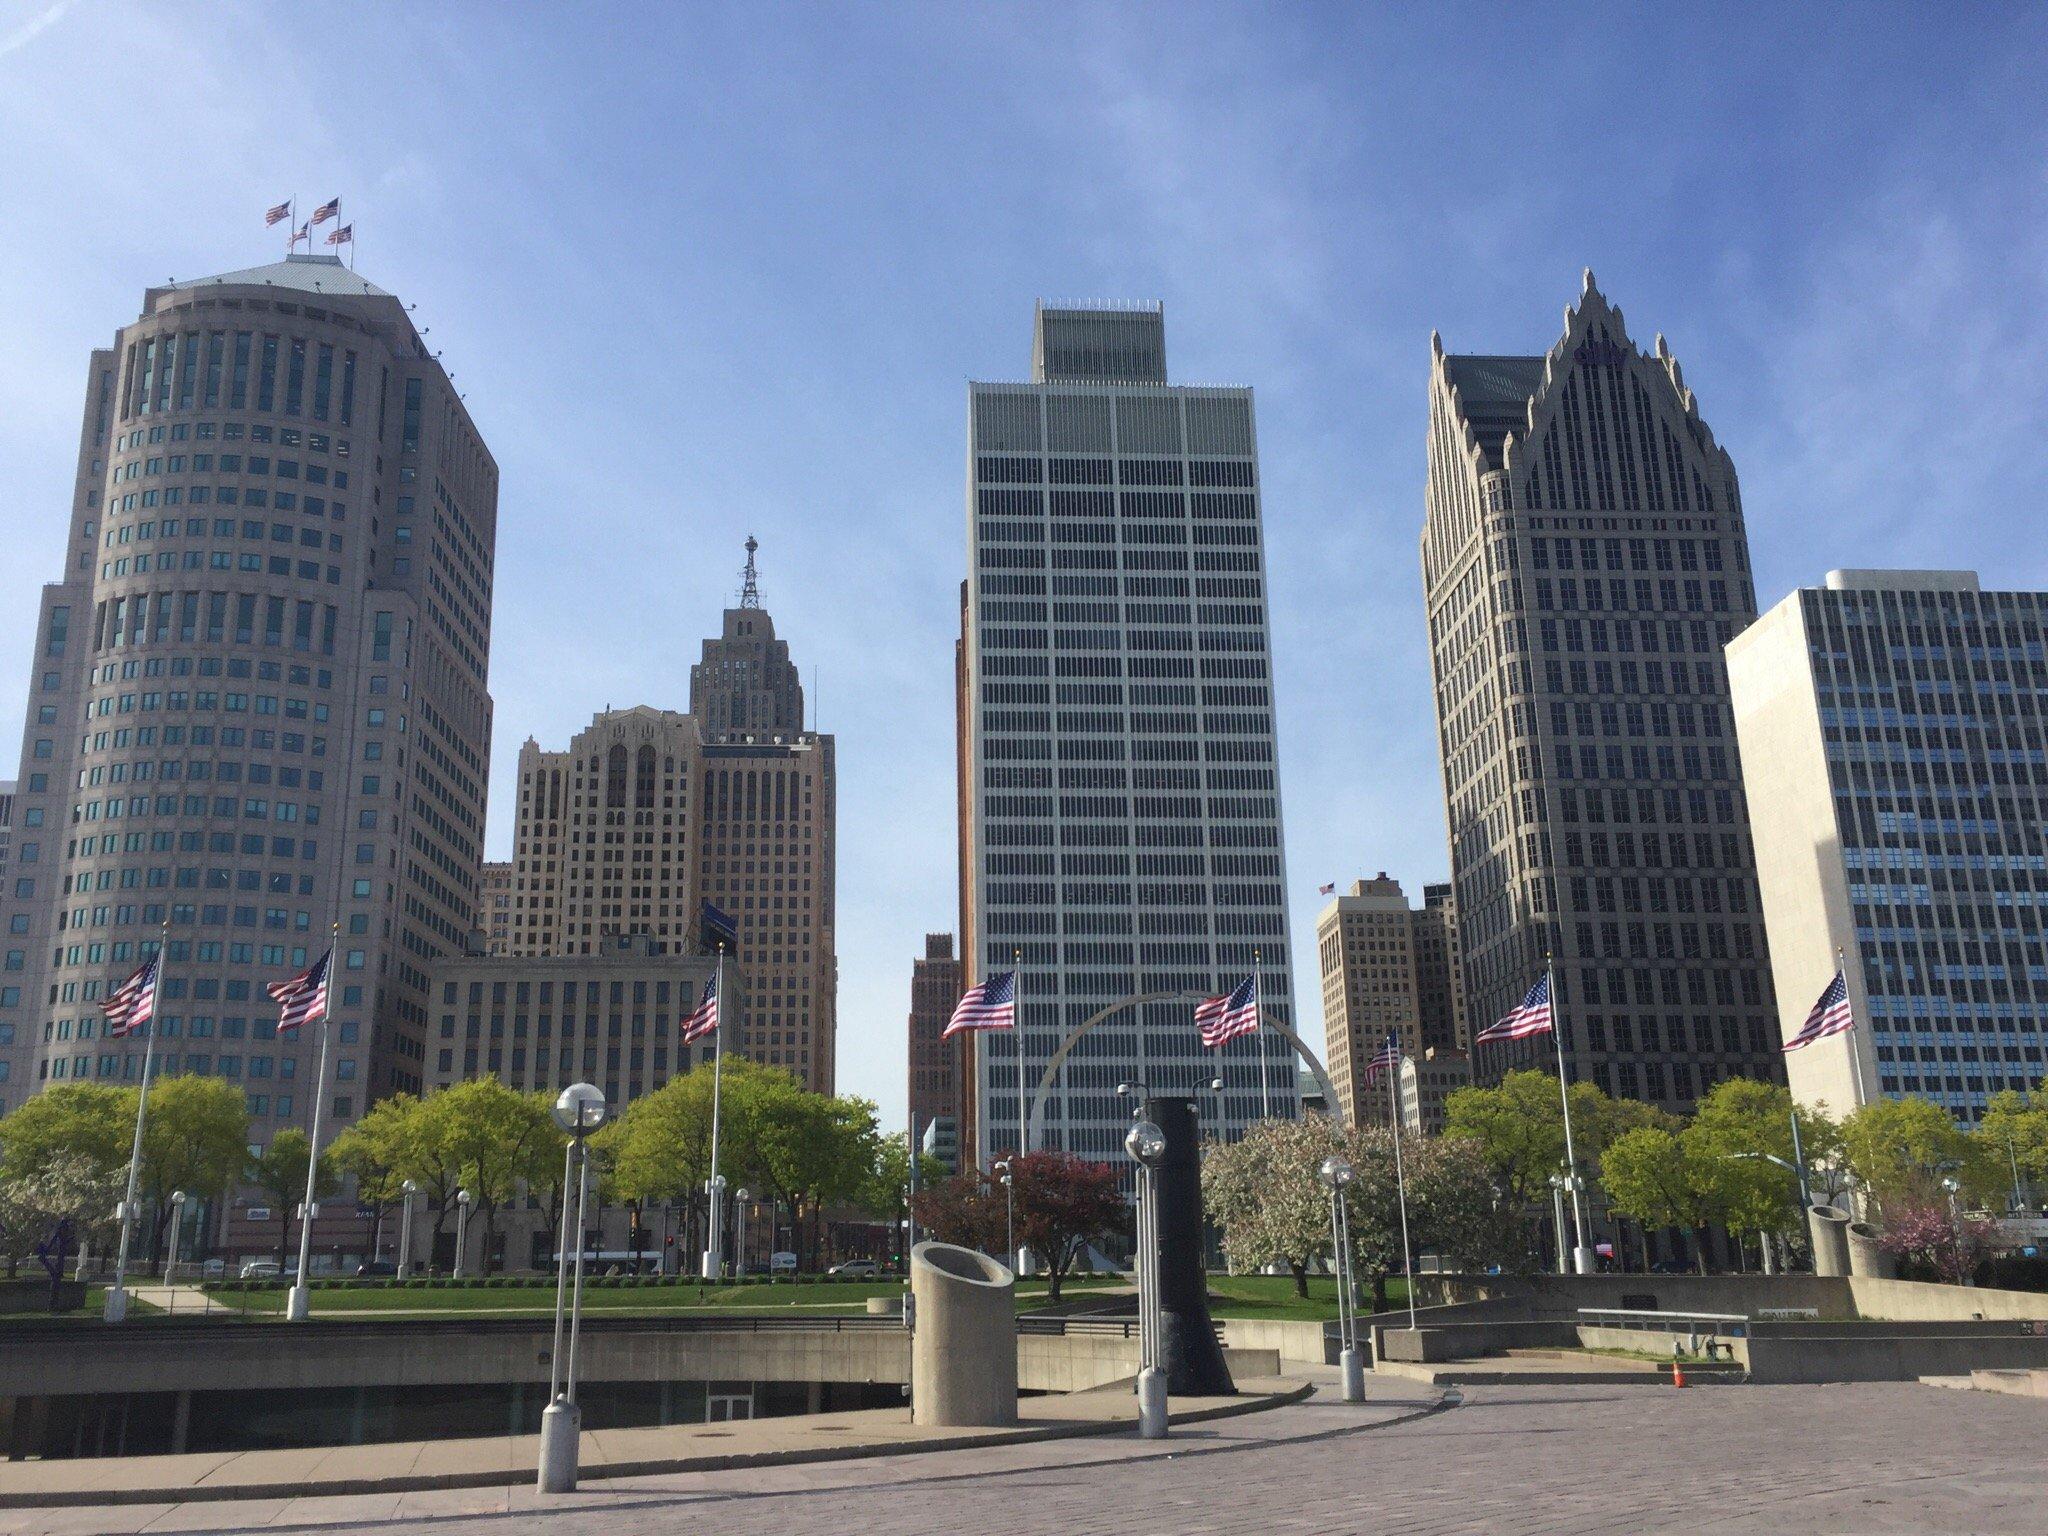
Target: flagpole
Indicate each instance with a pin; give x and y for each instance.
(1017, 1004)
(1582, 1253)
(115, 1307)
(1855, 1048)
(714, 1239)
(300, 1305)
(1401, 1181)
(1259, 1037)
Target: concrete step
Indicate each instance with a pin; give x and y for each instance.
(2026, 1383)
(1562, 1370)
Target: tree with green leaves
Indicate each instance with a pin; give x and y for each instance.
(64, 1157)
(1733, 1133)
(2012, 1135)
(808, 1151)
(196, 1139)
(1653, 1177)
(378, 1153)
(279, 1170)
(1901, 1150)
(499, 1140)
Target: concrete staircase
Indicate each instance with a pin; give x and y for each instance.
(1553, 1367)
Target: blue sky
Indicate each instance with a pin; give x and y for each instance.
(706, 272)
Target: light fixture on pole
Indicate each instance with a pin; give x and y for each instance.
(462, 1199)
(1337, 1174)
(177, 1223)
(406, 1192)
(1002, 1172)
(740, 1197)
(1147, 1144)
(1557, 1216)
(579, 1111)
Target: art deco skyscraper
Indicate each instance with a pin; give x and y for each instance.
(1584, 561)
(1121, 821)
(649, 813)
(259, 701)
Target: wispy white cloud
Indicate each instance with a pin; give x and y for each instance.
(26, 32)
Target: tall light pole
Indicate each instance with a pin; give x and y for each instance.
(740, 1197)
(406, 1191)
(1147, 1144)
(1002, 1172)
(1337, 1175)
(462, 1199)
(579, 1111)
(1557, 1216)
(177, 1221)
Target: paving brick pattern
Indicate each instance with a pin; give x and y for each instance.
(1873, 1458)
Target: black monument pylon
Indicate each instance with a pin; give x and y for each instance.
(1189, 1353)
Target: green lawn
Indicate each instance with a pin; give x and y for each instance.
(1273, 1296)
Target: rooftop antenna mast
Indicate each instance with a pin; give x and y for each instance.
(750, 593)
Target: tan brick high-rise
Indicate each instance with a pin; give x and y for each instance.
(935, 1077)
(258, 704)
(651, 813)
(1584, 561)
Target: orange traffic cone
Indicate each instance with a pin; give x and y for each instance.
(1677, 1374)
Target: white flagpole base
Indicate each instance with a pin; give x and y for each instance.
(561, 1427)
(115, 1308)
(1585, 1261)
(1152, 1403)
(1352, 1363)
(299, 1305)
(708, 1265)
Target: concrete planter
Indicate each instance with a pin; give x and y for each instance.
(1867, 1259)
(1828, 1225)
(963, 1349)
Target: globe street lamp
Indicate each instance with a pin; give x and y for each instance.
(1147, 1144)
(462, 1199)
(177, 1222)
(579, 1111)
(1002, 1173)
(1337, 1174)
(407, 1190)
(740, 1197)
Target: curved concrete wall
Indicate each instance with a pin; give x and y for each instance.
(963, 1348)
(1868, 1260)
(1828, 1225)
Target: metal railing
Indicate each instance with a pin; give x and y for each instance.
(1707, 1339)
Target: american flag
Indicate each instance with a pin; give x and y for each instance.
(1532, 1018)
(304, 997)
(1225, 1018)
(992, 1005)
(1831, 1015)
(705, 1019)
(327, 211)
(133, 1004)
(1327, 890)
(342, 235)
(277, 215)
(1389, 1056)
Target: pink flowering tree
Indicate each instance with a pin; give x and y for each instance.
(1927, 1232)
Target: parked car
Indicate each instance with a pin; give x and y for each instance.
(856, 1269)
(267, 1269)
(376, 1267)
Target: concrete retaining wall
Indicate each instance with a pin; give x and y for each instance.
(1914, 1301)
(1311, 1343)
(1881, 1352)
(1565, 1295)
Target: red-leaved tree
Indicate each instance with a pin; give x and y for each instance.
(964, 1210)
(1927, 1232)
(1064, 1203)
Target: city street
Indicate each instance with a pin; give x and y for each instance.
(1872, 1458)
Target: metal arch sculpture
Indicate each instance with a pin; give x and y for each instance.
(1036, 1122)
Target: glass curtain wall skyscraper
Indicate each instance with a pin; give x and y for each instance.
(1121, 820)
(1584, 562)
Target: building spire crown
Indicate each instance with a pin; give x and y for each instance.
(750, 591)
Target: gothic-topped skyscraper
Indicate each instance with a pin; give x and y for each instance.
(1584, 561)
(650, 813)
(259, 701)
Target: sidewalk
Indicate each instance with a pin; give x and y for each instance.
(510, 1461)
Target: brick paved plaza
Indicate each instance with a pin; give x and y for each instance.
(1873, 1458)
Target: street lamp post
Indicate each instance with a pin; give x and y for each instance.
(1557, 1216)
(1147, 1144)
(740, 1197)
(177, 1222)
(462, 1199)
(1337, 1174)
(579, 1111)
(406, 1191)
(1002, 1172)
